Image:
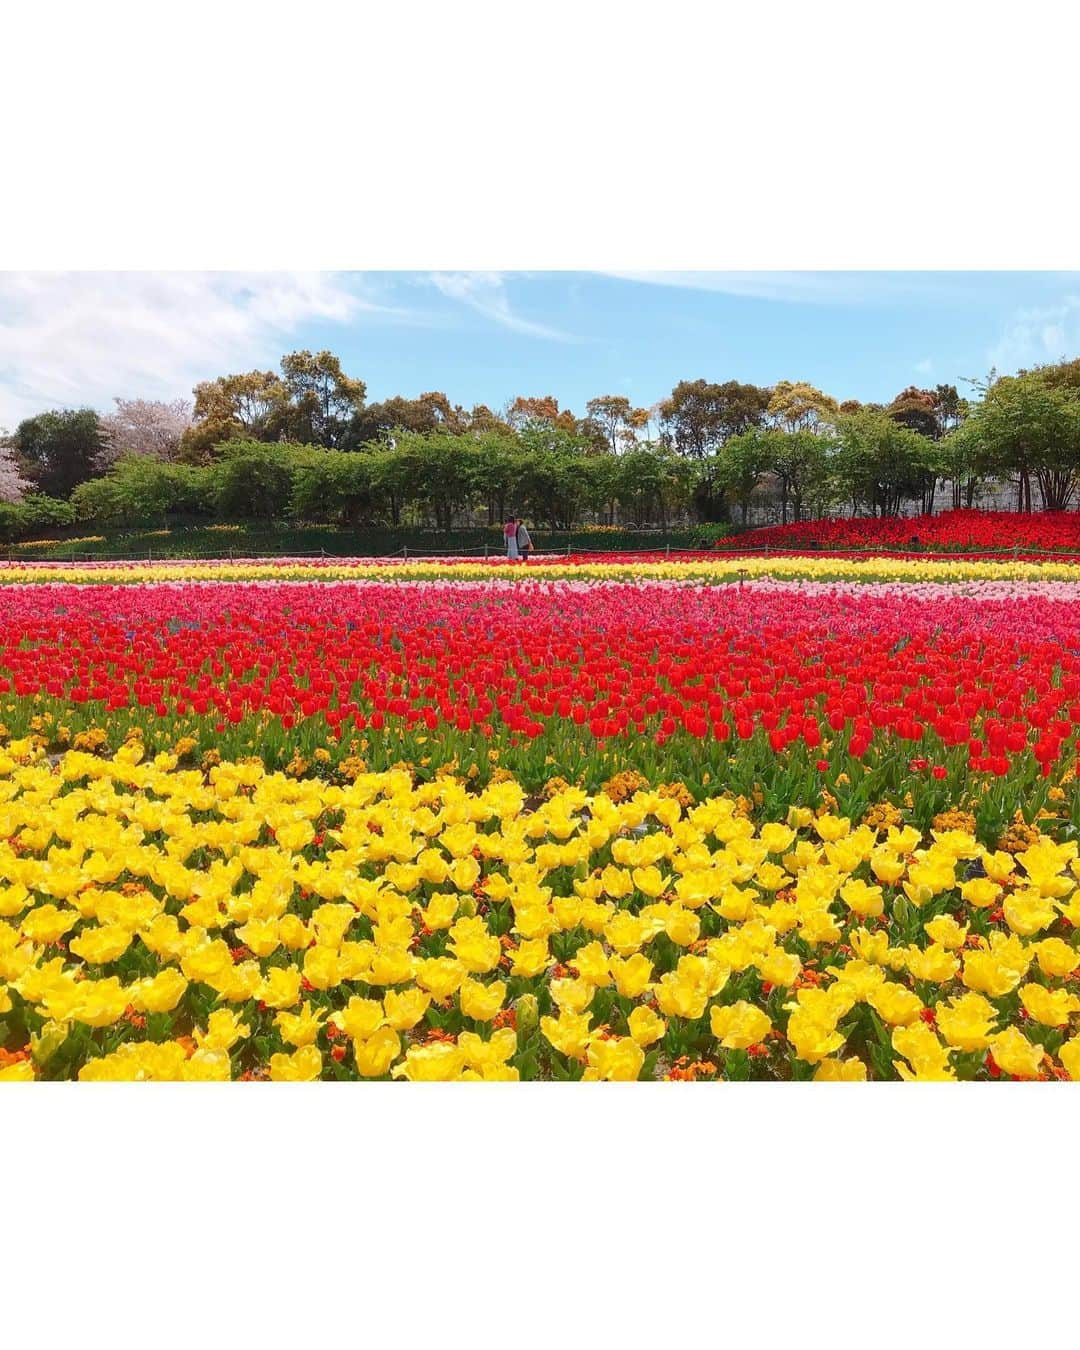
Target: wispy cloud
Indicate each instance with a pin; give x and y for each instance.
(821, 288)
(924, 367)
(82, 338)
(485, 292)
(1042, 334)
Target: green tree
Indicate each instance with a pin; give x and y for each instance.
(312, 402)
(615, 417)
(700, 416)
(800, 407)
(337, 486)
(319, 398)
(880, 462)
(435, 472)
(961, 464)
(251, 479)
(56, 451)
(553, 485)
(739, 468)
(245, 407)
(495, 470)
(139, 490)
(378, 421)
(1028, 428)
(603, 476)
(653, 483)
(918, 410)
(29, 517)
(799, 460)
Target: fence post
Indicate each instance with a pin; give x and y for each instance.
(485, 550)
(405, 550)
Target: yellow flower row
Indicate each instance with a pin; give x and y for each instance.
(714, 569)
(163, 923)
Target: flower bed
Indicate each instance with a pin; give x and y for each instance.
(248, 925)
(565, 829)
(949, 532)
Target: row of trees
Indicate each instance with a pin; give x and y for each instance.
(439, 477)
(710, 450)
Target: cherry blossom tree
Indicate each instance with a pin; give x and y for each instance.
(12, 484)
(144, 427)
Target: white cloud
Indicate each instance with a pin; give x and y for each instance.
(821, 288)
(486, 293)
(1037, 335)
(83, 338)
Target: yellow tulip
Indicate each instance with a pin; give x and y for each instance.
(377, 1052)
(644, 1025)
(482, 1001)
(302, 1066)
(1015, 1054)
(738, 1025)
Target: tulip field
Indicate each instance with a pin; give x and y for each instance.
(715, 817)
(960, 531)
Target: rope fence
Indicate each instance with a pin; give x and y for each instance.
(492, 552)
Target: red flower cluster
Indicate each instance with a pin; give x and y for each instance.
(619, 661)
(950, 532)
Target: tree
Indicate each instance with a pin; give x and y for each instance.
(554, 479)
(319, 398)
(1029, 426)
(140, 489)
(960, 461)
(337, 486)
(604, 476)
(616, 418)
(917, 409)
(312, 402)
(32, 515)
(379, 421)
(144, 426)
(653, 482)
(552, 487)
(495, 470)
(700, 416)
(951, 408)
(881, 462)
(743, 463)
(57, 451)
(482, 419)
(800, 407)
(544, 408)
(252, 479)
(244, 407)
(798, 460)
(435, 471)
(13, 486)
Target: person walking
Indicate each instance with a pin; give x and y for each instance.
(524, 543)
(510, 533)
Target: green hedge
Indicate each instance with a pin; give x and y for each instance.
(199, 540)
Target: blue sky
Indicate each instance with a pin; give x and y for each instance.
(82, 338)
